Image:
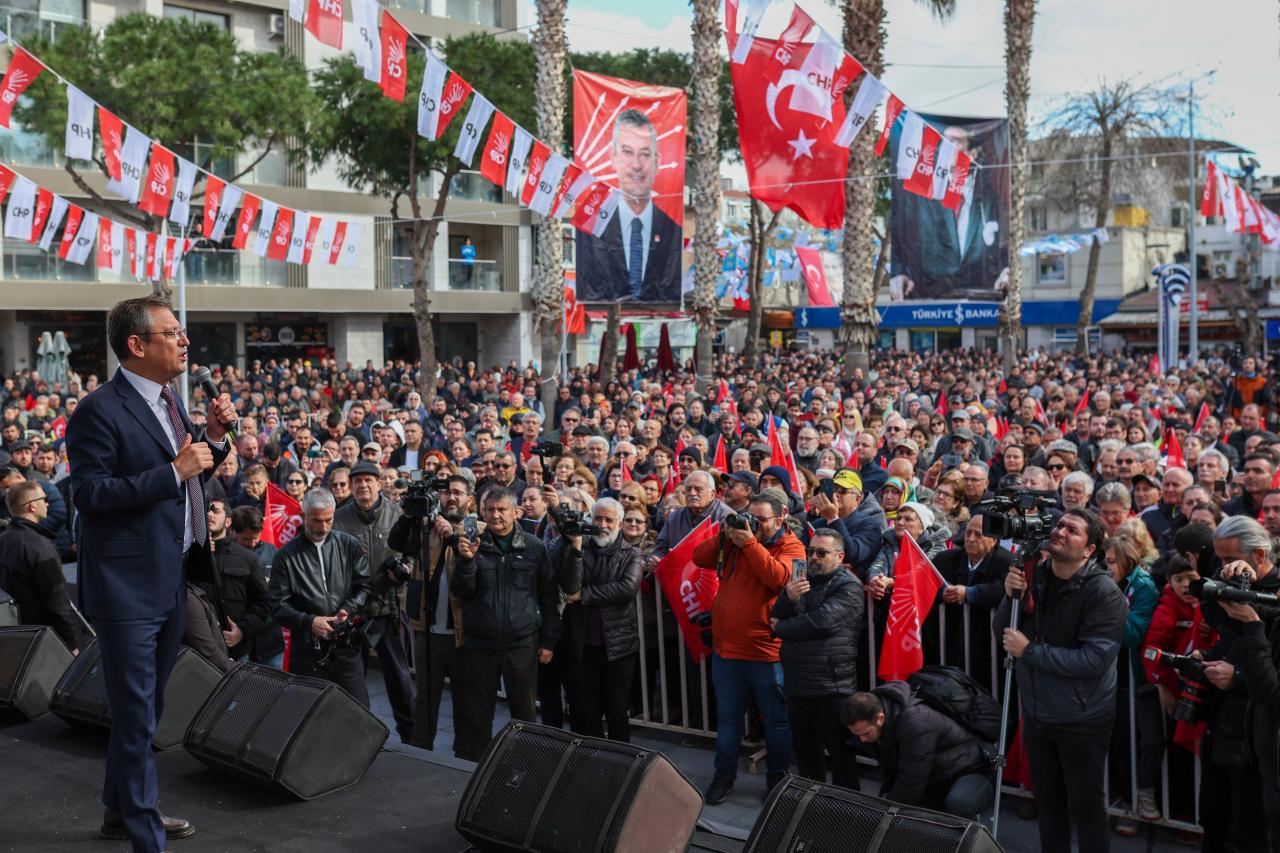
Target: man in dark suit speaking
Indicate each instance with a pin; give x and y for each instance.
(137, 471)
(638, 256)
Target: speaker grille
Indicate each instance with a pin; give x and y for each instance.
(516, 785)
(591, 782)
(289, 708)
(82, 692)
(15, 647)
(912, 835)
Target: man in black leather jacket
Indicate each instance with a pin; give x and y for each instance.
(510, 597)
(818, 617)
(248, 629)
(319, 580)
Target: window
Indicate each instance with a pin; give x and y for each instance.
(1051, 269)
(1177, 219)
(27, 18)
(196, 16)
(1038, 218)
(485, 12)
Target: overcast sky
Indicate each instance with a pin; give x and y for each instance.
(948, 67)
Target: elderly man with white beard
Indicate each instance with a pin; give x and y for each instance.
(601, 620)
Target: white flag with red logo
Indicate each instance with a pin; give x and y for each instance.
(56, 212)
(750, 23)
(429, 95)
(943, 162)
(22, 72)
(518, 160)
(813, 91)
(548, 184)
(79, 141)
(111, 247)
(266, 227)
(157, 195)
(915, 588)
(350, 245)
(472, 126)
(133, 157)
(283, 517)
(84, 238)
(395, 50)
(865, 101)
(180, 213)
(364, 14)
(909, 142)
(231, 195)
(298, 239)
(244, 225)
(493, 162)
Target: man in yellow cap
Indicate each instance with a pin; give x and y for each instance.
(858, 519)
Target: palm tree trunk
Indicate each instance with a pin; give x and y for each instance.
(1019, 19)
(705, 119)
(548, 269)
(1101, 209)
(609, 344)
(863, 37)
(422, 247)
(761, 232)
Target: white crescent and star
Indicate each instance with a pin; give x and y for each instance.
(801, 146)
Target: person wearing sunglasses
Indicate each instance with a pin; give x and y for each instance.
(817, 619)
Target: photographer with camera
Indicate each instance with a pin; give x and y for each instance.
(753, 557)
(1248, 597)
(369, 517)
(510, 614)
(319, 582)
(601, 619)
(1065, 652)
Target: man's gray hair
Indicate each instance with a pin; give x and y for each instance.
(711, 481)
(1145, 451)
(608, 505)
(1252, 535)
(636, 119)
(1114, 493)
(317, 499)
(597, 440)
(1216, 454)
(1079, 478)
(980, 468)
(1113, 444)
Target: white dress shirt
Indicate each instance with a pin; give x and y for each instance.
(625, 217)
(150, 393)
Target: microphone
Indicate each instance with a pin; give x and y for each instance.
(204, 379)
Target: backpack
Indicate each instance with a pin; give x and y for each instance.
(950, 691)
(10, 615)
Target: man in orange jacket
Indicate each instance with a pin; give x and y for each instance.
(753, 568)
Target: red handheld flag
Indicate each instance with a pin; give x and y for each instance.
(690, 590)
(283, 517)
(1173, 451)
(915, 587)
(1204, 413)
(720, 463)
(1083, 404)
(779, 455)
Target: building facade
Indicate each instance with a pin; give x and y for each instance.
(240, 307)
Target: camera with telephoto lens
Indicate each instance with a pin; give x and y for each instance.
(542, 450)
(572, 523)
(1191, 671)
(1238, 589)
(397, 568)
(421, 498)
(1018, 514)
(742, 521)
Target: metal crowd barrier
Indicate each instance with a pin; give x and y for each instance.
(656, 706)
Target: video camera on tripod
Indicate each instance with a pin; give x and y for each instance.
(1018, 514)
(542, 450)
(572, 523)
(421, 498)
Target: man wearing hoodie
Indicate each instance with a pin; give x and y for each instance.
(1065, 650)
(753, 567)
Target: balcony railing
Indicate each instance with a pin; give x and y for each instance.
(485, 275)
(487, 13)
(231, 267)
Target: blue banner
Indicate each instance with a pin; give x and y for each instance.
(951, 315)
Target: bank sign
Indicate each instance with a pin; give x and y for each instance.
(951, 315)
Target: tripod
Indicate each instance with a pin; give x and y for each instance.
(1015, 612)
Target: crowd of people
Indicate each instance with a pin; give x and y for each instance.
(1154, 480)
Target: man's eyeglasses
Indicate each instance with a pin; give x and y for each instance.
(172, 334)
(504, 465)
(292, 482)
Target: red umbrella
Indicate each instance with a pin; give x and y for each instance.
(666, 359)
(631, 359)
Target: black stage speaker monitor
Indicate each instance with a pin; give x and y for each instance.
(81, 696)
(297, 735)
(547, 790)
(808, 816)
(32, 659)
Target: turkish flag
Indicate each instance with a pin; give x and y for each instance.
(493, 161)
(1083, 404)
(339, 237)
(157, 194)
(244, 225)
(779, 455)
(1209, 196)
(455, 92)
(283, 517)
(915, 587)
(212, 201)
(537, 162)
(720, 463)
(75, 215)
(1204, 413)
(58, 426)
(281, 232)
(324, 20)
(22, 72)
(44, 202)
(815, 278)
(790, 153)
(112, 142)
(395, 49)
(689, 589)
(1173, 451)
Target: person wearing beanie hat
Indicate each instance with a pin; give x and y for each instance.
(689, 460)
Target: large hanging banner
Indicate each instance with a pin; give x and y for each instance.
(632, 135)
(940, 247)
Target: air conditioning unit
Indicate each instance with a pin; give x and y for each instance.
(275, 26)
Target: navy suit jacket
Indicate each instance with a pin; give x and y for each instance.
(602, 265)
(132, 509)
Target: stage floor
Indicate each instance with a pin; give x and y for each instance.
(51, 783)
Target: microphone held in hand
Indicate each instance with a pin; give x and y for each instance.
(204, 379)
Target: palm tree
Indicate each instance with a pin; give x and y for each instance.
(1019, 19)
(864, 35)
(550, 50)
(705, 119)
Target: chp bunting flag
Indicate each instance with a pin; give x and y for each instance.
(915, 587)
(313, 231)
(548, 183)
(575, 181)
(298, 239)
(180, 212)
(472, 126)
(282, 518)
(815, 278)
(19, 214)
(278, 249)
(350, 245)
(53, 218)
(395, 49)
(493, 162)
(7, 177)
(157, 195)
(112, 141)
(212, 203)
(231, 195)
(537, 162)
(266, 228)
(364, 14)
(518, 160)
(133, 154)
(958, 186)
(815, 85)
(324, 21)
(335, 247)
(891, 113)
(750, 23)
(797, 28)
(44, 202)
(455, 92)
(865, 101)
(910, 145)
(244, 225)
(943, 162)
(79, 141)
(1209, 200)
(689, 588)
(110, 246)
(323, 248)
(433, 76)
(22, 72)
(131, 250)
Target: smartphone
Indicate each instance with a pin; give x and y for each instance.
(1220, 487)
(827, 487)
(799, 569)
(951, 460)
(469, 528)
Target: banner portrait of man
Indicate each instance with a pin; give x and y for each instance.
(938, 253)
(632, 135)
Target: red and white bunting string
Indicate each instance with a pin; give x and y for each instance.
(1241, 212)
